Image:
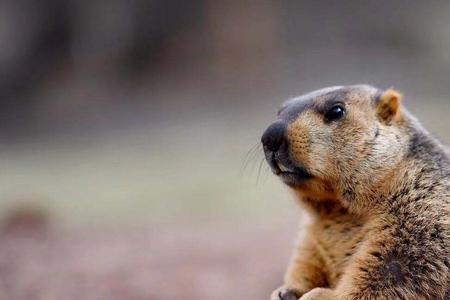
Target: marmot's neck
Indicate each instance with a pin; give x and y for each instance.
(423, 174)
(323, 208)
(425, 149)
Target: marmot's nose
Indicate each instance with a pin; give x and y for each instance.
(273, 137)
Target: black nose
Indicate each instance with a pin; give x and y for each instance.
(273, 137)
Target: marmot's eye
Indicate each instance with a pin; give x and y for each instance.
(335, 113)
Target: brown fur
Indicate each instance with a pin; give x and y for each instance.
(379, 201)
(389, 105)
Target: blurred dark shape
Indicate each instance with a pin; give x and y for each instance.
(49, 42)
(26, 219)
(36, 39)
(156, 24)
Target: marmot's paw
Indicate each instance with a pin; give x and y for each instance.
(285, 293)
(319, 294)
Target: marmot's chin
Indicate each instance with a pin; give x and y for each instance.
(295, 179)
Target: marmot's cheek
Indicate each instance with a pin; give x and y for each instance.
(319, 158)
(299, 141)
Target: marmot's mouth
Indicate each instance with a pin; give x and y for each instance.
(290, 174)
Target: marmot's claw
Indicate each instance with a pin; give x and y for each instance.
(288, 295)
(285, 294)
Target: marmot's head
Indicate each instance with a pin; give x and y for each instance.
(331, 142)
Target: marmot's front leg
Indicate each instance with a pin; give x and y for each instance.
(305, 273)
(390, 268)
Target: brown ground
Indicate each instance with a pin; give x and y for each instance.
(152, 263)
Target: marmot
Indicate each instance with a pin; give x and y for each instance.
(377, 188)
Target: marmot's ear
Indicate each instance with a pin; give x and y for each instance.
(388, 106)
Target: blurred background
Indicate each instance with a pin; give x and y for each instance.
(129, 132)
